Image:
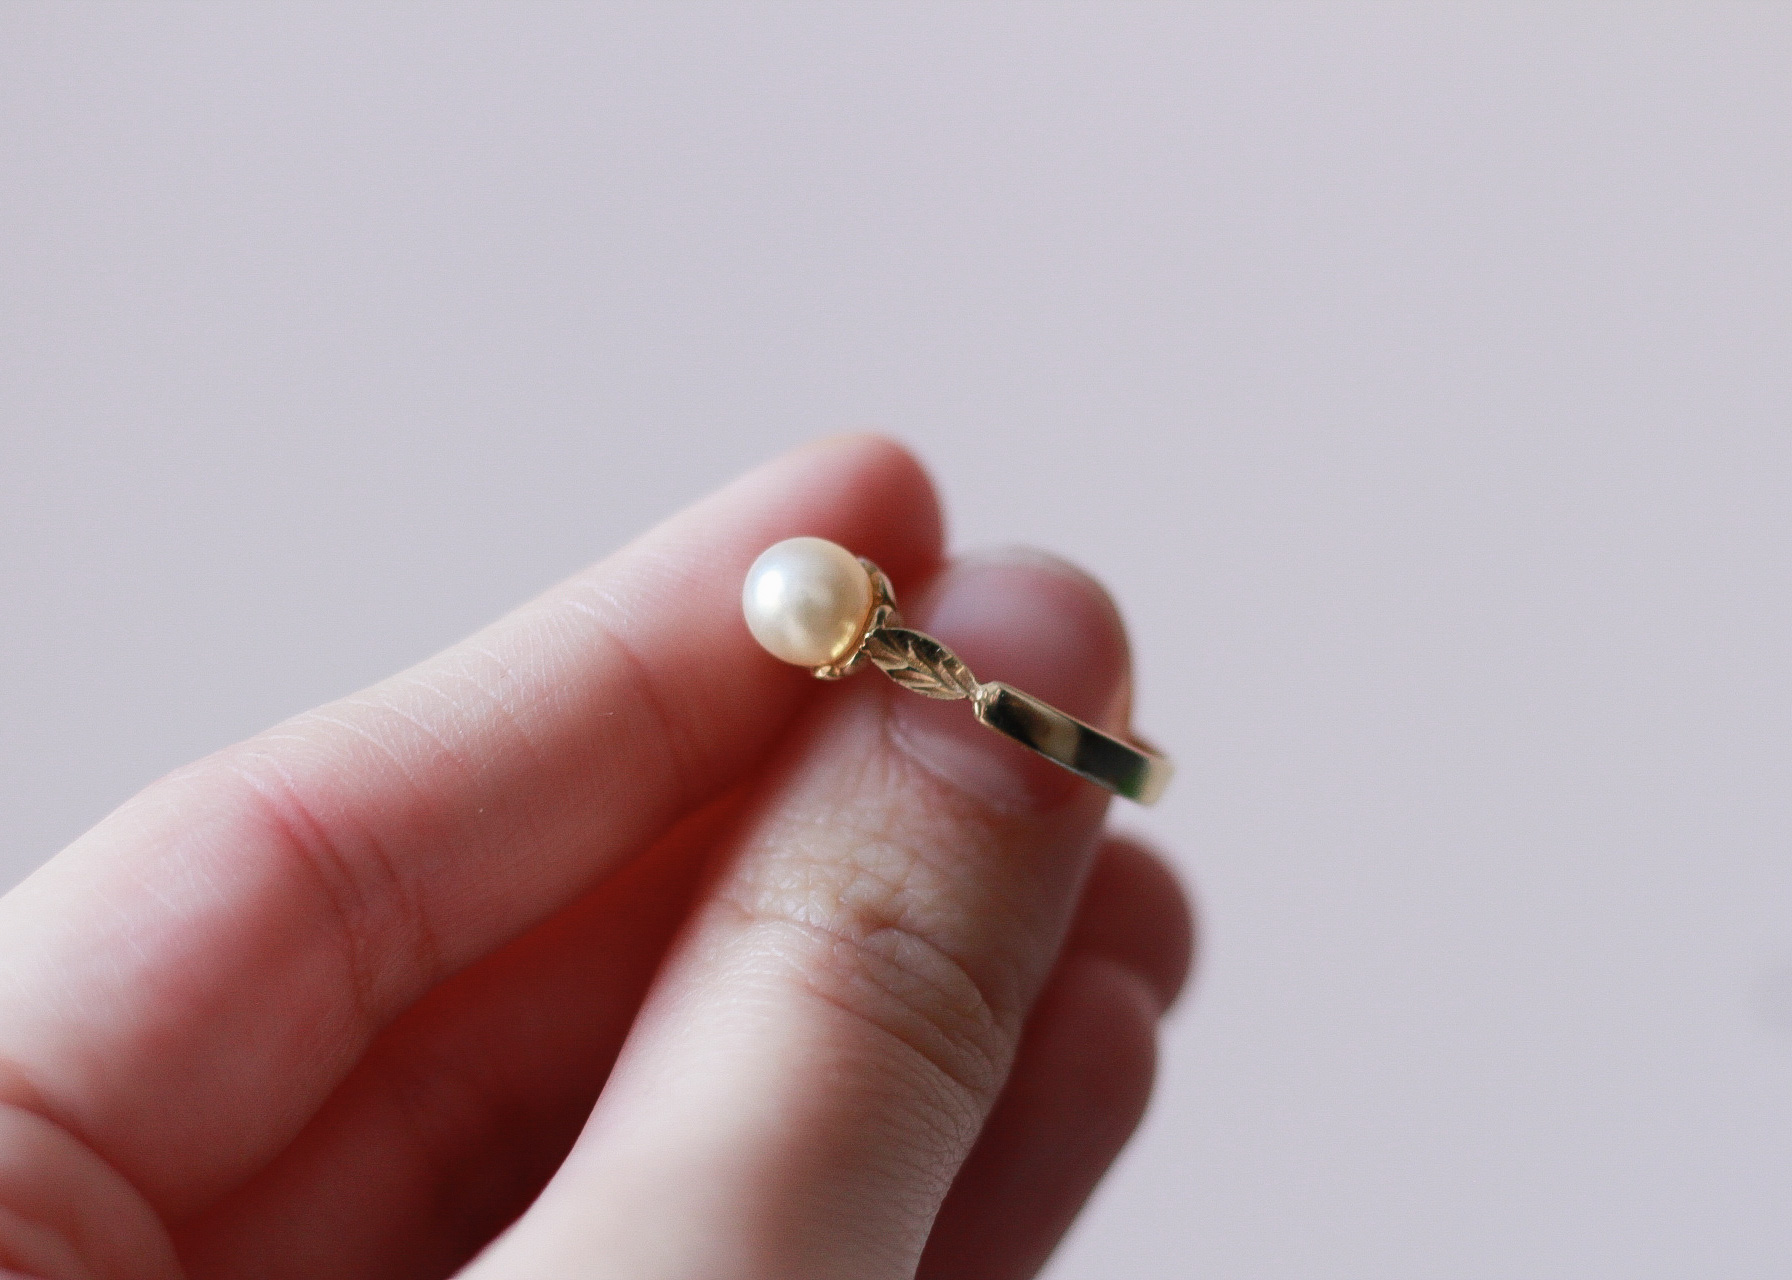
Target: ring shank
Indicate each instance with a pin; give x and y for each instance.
(1122, 767)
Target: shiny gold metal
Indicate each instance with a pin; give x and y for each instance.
(919, 663)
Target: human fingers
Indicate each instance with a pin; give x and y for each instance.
(463, 1107)
(1081, 1078)
(1135, 910)
(182, 987)
(815, 1061)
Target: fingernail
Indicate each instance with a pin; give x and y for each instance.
(1030, 620)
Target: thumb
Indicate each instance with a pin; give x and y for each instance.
(819, 1055)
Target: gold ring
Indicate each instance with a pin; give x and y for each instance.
(813, 603)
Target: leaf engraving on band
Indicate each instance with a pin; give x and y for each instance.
(917, 661)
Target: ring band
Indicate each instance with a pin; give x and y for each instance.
(1125, 768)
(815, 579)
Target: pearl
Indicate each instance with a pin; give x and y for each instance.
(806, 601)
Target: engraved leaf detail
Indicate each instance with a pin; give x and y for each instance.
(919, 662)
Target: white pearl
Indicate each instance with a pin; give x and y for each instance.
(806, 599)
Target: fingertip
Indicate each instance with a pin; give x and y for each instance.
(1040, 624)
(1136, 910)
(1103, 1001)
(895, 504)
(1036, 621)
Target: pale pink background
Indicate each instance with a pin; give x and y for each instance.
(1422, 382)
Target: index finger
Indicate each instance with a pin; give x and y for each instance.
(181, 987)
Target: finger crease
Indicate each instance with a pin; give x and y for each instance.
(378, 912)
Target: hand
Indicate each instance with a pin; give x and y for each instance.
(338, 1001)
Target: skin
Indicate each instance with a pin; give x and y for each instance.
(866, 989)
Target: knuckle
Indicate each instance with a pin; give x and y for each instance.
(372, 904)
(895, 939)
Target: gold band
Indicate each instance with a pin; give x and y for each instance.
(918, 662)
(1125, 768)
